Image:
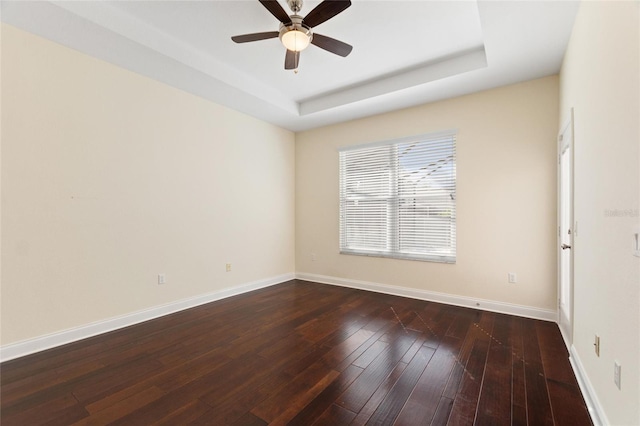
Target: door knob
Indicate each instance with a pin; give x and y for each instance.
(565, 246)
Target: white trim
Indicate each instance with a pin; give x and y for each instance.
(48, 341)
(567, 343)
(567, 335)
(450, 299)
(422, 137)
(598, 417)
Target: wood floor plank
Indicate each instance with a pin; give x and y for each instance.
(460, 326)
(304, 360)
(335, 415)
(107, 381)
(518, 386)
(184, 415)
(122, 407)
(394, 401)
(354, 398)
(370, 354)
(303, 353)
(538, 403)
(248, 419)
(251, 392)
(326, 398)
(44, 361)
(479, 326)
(282, 407)
(170, 378)
(378, 396)
(233, 374)
(241, 399)
(27, 387)
(415, 348)
(188, 371)
(441, 417)
(423, 402)
(352, 348)
(348, 359)
(48, 410)
(296, 390)
(154, 412)
(573, 411)
(465, 404)
(494, 404)
(554, 354)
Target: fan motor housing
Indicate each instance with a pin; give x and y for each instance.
(296, 25)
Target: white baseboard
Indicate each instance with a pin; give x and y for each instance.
(26, 347)
(37, 344)
(450, 299)
(598, 417)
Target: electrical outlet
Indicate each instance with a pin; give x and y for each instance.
(228, 267)
(513, 278)
(313, 257)
(596, 345)
(617, 370)
(162, 278)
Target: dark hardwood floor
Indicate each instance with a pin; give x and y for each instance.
(302, 353)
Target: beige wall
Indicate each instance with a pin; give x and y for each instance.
(600, 79)
(506, 191)
(109, 178)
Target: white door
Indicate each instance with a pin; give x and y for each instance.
(565, 232)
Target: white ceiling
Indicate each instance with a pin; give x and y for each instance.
(405, 52)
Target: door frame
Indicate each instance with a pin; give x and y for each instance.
(567, 334)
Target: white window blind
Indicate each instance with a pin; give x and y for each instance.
(398, 198)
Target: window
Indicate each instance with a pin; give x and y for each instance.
(398, 198)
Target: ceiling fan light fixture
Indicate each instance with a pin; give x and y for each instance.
(295, 32)
(295, 38)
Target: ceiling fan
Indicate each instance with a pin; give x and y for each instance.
(296, 33)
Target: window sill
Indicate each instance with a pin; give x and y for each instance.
(402, 256)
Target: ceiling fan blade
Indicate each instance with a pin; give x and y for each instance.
(244, 38)
(276, 10)
(331, 45)
(325, 11)
(291, 60)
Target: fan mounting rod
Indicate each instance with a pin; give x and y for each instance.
(295, 5)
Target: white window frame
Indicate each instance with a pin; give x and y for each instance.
(388, 204)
